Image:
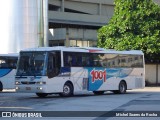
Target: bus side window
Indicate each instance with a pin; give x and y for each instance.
(12, 63)
(3, 63)
(74, 61)
(79, 61)
(65, 60)
(69, 60)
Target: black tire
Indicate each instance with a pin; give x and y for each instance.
(115, 91)
(1, 87)
(122, 87)
(42, 95)
(67, 90)
(98, 92)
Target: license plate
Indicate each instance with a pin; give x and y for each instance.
(28, 88)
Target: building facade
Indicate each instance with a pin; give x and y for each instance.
(75, 22)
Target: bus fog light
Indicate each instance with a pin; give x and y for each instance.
(17, 88)
(39, 88)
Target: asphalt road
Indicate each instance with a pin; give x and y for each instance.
(135, 104)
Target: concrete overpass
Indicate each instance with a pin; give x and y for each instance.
(77, 21)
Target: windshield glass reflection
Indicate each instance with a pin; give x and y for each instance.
(31, 64)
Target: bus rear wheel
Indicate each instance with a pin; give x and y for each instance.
(98, 92)
(122, 88)
(67, 90)
(42, 95)
(1, 87)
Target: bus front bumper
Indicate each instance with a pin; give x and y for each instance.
(31, 89)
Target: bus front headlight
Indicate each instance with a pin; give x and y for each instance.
(17, 83)
(39, 88)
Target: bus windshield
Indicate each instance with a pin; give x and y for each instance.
(31, 64)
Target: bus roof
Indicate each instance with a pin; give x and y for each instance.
(83, 49)
(9, 55)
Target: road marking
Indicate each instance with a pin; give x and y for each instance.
(28, 108)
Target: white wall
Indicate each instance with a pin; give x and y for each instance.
(152, 75)
(157, 1)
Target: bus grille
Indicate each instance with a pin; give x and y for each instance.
(28, 83)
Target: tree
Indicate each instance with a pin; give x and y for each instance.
(134, 25)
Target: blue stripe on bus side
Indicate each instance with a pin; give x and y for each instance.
(4, 72)
(65, 71)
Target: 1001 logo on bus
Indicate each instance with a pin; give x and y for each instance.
(98, 75)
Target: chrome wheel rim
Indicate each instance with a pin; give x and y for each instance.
(66, 89)
(122, 88)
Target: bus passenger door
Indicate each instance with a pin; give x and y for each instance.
(52, 65)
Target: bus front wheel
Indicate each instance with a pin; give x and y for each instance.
(67, 90)
(1, 87)
(41, 95)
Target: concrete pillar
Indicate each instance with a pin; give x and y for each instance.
(45, 17)
(62, 6)
(100, 9)
(67, 42)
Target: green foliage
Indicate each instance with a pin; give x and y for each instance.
(134, 25)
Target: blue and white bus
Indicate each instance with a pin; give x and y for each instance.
(67, 70)
(7, 71)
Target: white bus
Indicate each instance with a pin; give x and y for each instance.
(7, 71)
(66, 70)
